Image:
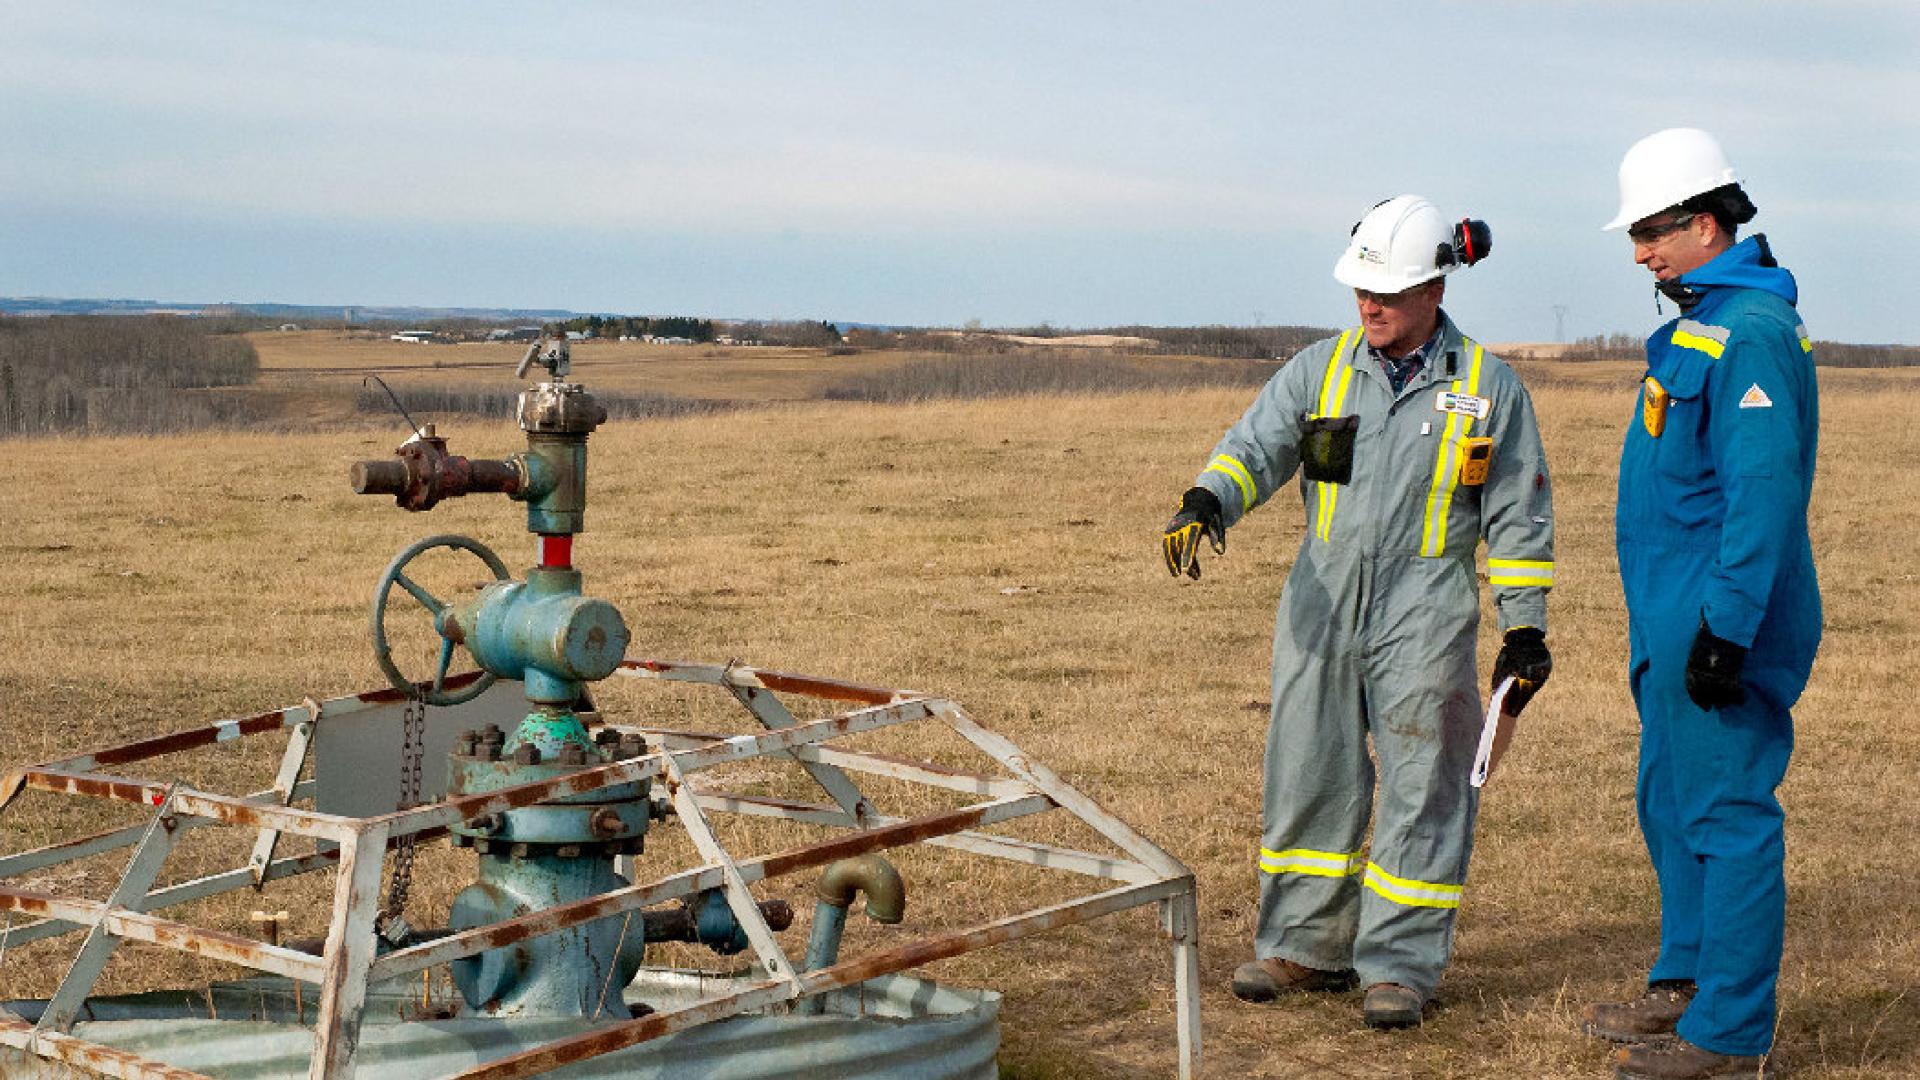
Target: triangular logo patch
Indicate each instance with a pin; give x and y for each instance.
(1755, 398)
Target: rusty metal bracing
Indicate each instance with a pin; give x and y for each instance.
(354, 845)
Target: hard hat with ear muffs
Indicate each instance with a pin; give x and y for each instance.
(1404, 242)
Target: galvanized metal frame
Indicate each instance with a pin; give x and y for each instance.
(355, 847)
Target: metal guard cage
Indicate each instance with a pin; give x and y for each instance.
(355, 847)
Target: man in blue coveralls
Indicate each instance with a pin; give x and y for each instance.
(1722, 605)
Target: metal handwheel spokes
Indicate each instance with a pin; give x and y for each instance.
(435, 694)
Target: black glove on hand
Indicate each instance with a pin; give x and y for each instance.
(1713, 670)
(1200, 515)
(1523, 655)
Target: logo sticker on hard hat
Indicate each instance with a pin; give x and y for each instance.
(1367, 254)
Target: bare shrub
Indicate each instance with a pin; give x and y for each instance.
(1041, 372)
(1835, 354)
(118, 374)
(495, 403)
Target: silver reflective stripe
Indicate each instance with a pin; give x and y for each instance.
(1703, 330)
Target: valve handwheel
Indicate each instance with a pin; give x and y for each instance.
(434, 693)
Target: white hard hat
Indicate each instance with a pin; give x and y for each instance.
(1395, 247)
(1667, 168)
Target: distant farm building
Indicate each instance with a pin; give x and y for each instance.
(420, 337)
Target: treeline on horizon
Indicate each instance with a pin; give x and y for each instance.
(1825, 353)
(127, 374)
(115, 375)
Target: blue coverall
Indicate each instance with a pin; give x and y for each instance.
(1712, 523)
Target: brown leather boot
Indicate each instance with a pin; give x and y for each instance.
(1390, 1005)
(1678, 1059)
(1649, 1016)
(1264, 980)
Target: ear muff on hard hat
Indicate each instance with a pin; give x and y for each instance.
(1471, 242)
(1403, 242)
(1666, 169)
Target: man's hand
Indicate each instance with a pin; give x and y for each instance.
(1200, 515)
(1713, 670)
(1523, 655)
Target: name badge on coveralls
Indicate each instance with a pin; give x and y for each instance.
(1464, 404)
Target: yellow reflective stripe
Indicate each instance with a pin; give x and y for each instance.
(1695, 341)
(1446, 471)
(1410, 893)
(1806, 343)
(1311, 862)
(1333, 365)
(1223, 463)
(1333, 394)
(1541, 572)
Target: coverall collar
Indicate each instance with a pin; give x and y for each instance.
(1748, 264)
(1445, 336)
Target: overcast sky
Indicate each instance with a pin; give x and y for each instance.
(929, 163)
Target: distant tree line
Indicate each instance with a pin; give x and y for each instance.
(1235, 342)
(1835, 354)
(1042, 372)
(800, 334)
(1825, 353)
(427, 403)
(617, 326)
(119, 374)
(1609, 347)
(1225, 342)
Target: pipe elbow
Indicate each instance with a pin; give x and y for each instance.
(871, 874)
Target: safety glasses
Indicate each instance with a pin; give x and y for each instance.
(1648, 234)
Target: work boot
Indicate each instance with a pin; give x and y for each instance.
(1264, 980)
(1678, 1059)
(1390, 1005)
(1649, 1016)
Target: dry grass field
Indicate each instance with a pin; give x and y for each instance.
(153, 584)
(317, 371)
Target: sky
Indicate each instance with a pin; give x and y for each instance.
(1079, 164)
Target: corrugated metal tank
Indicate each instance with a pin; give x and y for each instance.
(893, 1026)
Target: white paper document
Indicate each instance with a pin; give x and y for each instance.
(1483, 759)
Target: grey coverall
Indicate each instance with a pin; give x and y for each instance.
(1375, 636)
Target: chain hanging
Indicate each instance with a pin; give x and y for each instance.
(391, 923)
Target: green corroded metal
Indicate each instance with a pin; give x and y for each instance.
(544, 632)
(889, 1028)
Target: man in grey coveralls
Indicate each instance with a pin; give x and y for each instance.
(1414, 444)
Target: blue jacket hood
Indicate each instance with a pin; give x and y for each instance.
(1748, 265)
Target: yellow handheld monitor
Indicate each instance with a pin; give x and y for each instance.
(1477, 453)
(1653, 407)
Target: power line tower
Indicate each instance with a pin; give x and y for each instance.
(1560, 324)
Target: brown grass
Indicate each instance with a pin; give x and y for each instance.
(325, 367)
(154, 584)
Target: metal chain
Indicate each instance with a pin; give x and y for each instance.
(412, 750)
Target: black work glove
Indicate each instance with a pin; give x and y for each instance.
(1523, 655)
(1200, 515)
(1713, 670)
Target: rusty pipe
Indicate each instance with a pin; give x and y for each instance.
(422, 473)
